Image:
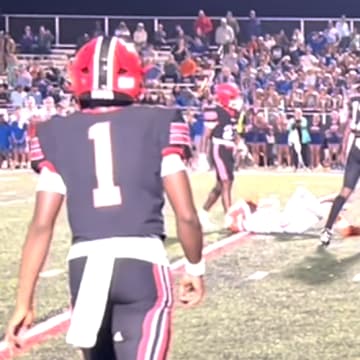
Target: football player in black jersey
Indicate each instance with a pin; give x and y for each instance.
(223, 147)
(113, 160)
(351, 149)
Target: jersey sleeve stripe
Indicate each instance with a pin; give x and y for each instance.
(180, 139)
(37, 157)
(179, 127)
(48, 165)
(35, 150)
(180, 134)
(170, 150)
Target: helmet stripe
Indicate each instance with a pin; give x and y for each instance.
(96, 63)
(104, 65)
(110, 63)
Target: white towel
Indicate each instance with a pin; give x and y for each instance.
(91, 301)
(294, 140)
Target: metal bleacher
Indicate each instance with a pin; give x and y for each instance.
(60, 57)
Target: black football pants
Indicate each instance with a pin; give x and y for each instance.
(136, 324)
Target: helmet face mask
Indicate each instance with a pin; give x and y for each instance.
(236, 104)
(106, 71)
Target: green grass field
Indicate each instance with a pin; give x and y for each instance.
(305, 308)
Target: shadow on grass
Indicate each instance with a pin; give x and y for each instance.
(286, 237)
(321, 268)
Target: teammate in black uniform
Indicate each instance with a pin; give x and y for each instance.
(113, 164)
(223, 145)
(351, 148)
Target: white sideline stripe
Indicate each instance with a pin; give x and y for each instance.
(15, 171)
(288, 173)
(16, 201)
(58, 319)
(211, 248)
(42, 327)
(51, 273)
(8, 179)
(8, 193)
(258, 275)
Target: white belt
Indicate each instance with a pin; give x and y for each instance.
(89, 310)
(228, 143)
(357, 142)
(210, 124)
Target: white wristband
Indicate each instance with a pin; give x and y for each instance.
(195, 269)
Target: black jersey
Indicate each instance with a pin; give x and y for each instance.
(225, 128)
(111, 165)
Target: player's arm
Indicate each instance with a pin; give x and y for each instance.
(177, 187)
(178, 191)
(49, 198)
(47, 206)
(50, 194)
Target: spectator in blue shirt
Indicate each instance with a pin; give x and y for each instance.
(254, 25)
(5, 136)
(198, 47)
(318, 43)
(18, 141)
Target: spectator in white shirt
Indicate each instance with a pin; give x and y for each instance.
(231, 59)
(355, 42)
(225, 76)
(49, 108)
(344, 32)
(30, 109)
(298, 37)
(122, 31)
(140, 36)
(308, 61)
(331, 33)
(224, 34)
(17, 96)
(269, 41)
(24, 78)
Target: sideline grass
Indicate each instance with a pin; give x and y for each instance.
(52, 295)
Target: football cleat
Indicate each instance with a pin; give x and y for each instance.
(325, 237)
(205, 222)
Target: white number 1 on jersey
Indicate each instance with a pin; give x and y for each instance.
(106, 193)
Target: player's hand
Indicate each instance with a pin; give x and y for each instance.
(192, 290)
(20, 321)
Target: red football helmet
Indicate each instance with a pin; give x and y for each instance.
(228, 95)
(107, 70)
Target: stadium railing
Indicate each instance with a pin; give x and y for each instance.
(67, 28)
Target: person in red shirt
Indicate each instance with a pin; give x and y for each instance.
(203, 26)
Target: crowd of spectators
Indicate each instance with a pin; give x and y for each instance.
(283, 79)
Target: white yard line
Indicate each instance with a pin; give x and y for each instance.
(51, 273)
(27, 200)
